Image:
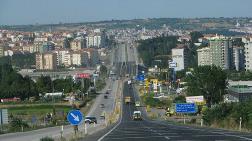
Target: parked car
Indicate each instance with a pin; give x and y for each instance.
(90, 120)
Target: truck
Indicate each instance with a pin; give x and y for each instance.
(127, 99)
(137, 115)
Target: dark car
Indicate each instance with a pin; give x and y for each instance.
(91, 120)
(105, 97)
(102, 106)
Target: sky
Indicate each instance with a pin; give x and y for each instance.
(20, 12)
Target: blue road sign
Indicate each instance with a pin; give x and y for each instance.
(140, 77)
(185, 108)
(75, 117)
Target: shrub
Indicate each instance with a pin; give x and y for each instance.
(46, 139)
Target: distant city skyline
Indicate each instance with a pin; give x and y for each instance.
(21, 12)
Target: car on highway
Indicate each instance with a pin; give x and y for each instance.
(102, 106)
(107, 92)
(127, 99)
(105, 97)
(137, 103)
(137, 115)
(102, 116)
(90, 120)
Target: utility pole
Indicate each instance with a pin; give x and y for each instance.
(240, 125)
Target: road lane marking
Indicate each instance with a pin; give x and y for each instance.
(142, 137)
(166, 137)
(237, 136)
(113, 127)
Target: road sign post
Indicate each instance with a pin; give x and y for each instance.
(75, 117)
(85, 128)
(184, 119)
(240, 123)
(61, 131)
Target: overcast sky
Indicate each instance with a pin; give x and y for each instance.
(68, 11)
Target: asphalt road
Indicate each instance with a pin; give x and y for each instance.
(148, 130)
(96, 111)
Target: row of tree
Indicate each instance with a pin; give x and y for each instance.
(12, 84)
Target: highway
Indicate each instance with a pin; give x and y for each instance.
(150, 130)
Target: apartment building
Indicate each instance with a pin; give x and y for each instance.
(219, 53)
(77, 44)
(80, 58)
(238, 58)
(67, 60)
(248, 55)
(47, 47)
(61, 53)
(1, 50)
(204, 56)
(31, 48)
(46, 61)
(93, 40)
(94, 57)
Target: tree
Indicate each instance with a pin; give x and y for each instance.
(209, 81)
(179, 99)
(13, 84)
(151, 49)
(103, 70)
(44, 84)
(195, 36)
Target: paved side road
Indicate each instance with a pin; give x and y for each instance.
(54, 132)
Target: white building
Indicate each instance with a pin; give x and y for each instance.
(76, 59)
(248, 55)
(61, 56)
(93, 40)
(204, 56)
(80, 58)
(67, 60)
(179, 55)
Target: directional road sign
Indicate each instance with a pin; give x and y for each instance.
(185, 108)
(75, 117)
(140, 77)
